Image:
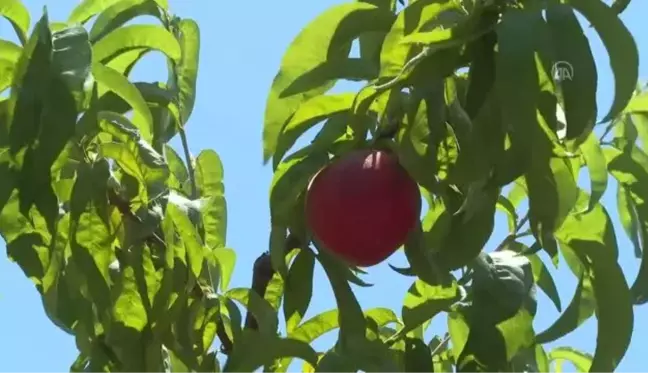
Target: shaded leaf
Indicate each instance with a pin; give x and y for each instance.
(570, 45)
(621, 48)
(298, 289)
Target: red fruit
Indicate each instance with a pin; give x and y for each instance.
(363, 206)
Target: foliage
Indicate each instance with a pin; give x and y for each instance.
(125, 240)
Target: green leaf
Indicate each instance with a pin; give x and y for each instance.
(638, 104)
(253, 350)
(263, 311)
(125, 62)
(571, 46)
(89, 8)
(423, 301)
(621, 47)
(325, 38)
(33, 74)
(418, 357)
(469, 229)
(578, 311)
(111, 80)
(121, 12)
(133, 155)
(628, 217)
(597, 167)
(72, 53)
(91, 237)
(290, 179)
(553, 193)
(190, 239)
(507, 206)
(132, 37)
(209, 180)
(308, 114)
(18, 15)
(592, 238)
(43, 120)
(186, 70)
(351, 319)
(394, 53)
(631, 171)
(516, 34)
(582, 361)
(178, 171)
(298, 289)
(420, 257)
(225, 258)
(129, 308)
(544, 280)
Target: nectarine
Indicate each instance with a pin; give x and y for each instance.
(362, 206)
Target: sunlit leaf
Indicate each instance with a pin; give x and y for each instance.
(394, 54)
(290, 179)
(423, 302)
(581, 360)
(188, 36)
(86, 9)
(597, 167)
(121, 12)
(132, 37)
(324, 38)
(112, 80)
(18, 15)
(592, 238)
(308, 114)
(631, 171)
(209, 180)
(254, 350)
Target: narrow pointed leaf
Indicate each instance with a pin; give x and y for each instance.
(324, 38)
(132, 37)
(18, 15)
(89, 8)
(112, 80)
(621, 48)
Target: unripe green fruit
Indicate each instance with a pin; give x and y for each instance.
(363, 206)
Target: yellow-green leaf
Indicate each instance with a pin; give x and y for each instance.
(131, 37)
(324, 38)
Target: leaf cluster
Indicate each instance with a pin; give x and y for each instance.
(125, 238)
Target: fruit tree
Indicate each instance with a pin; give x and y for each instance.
(467, 109)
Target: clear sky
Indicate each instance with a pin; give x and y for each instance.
(242, 45)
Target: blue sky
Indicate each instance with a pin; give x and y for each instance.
(242, 45)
